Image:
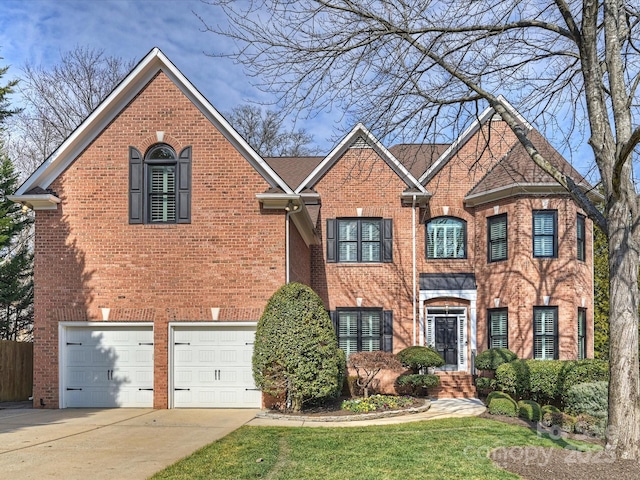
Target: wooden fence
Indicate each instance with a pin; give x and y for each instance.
(16, 371)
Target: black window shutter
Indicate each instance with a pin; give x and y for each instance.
(136, 182)
(184, 187)
(387, 331)
(387, 240)
(331, 240)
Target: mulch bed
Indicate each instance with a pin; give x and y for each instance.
(539, 463)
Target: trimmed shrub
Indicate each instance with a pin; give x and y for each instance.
(485, 383)
(513, 377)
(547, 380)
(588, 398)
(563, 421)
(550, 409)
(530, 379)
(296, 355)
(497, 394)
(418, 381)
(583, 371)
(503, 405)
(492, 358)
(529, 410)
(590, 425)
(420, 358)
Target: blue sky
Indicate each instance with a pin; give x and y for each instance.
(37, 31)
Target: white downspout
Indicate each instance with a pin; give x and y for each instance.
(290, 209)
(413, 226)
(286, 268)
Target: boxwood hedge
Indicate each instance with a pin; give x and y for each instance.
(548, 381)
(418, 358)
(492, 358)
(502, 405)
(529, 410)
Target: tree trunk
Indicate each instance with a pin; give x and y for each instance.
(623, 434)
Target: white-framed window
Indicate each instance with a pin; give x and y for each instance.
(545, 233)
(582, 333)
(162, 193)
(497, 238)
(363, 329)
(446, 237)
(498, 328)
(359, 240)
(581, 238)
(160, 185)
(545, 333)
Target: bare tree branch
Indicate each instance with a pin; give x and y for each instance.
(416, 70)
(57, 100)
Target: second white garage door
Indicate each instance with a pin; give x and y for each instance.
(212, 367)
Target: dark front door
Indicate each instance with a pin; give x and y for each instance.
(447, 339)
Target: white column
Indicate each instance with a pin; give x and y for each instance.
(473, 329)
(421, 341)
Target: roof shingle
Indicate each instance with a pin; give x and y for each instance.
(293, 170)
(517, 168)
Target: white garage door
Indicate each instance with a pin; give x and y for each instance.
(107, 367)
(212, 367)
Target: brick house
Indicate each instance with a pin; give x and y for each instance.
(161, 234)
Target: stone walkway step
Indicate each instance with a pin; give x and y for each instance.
(441, 408)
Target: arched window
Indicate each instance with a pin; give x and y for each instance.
(446, 238)
(160, 163)
(160, 185)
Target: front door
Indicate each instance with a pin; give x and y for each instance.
(446, 328)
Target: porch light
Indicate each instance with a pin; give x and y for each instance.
(291, 207)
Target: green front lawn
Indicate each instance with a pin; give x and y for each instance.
(439, 449)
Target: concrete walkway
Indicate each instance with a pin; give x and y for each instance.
(106, 444)
(443, 408)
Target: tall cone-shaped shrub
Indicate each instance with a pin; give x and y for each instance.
(296, 354)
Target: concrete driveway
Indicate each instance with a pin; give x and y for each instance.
(106, 443)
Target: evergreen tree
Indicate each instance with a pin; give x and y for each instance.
(296, 356)
(12, 221)
(16, 261)
(5, 90)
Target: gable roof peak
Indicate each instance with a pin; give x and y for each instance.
(117, 101)
(487, 115)
(360, 143)
(356, 138)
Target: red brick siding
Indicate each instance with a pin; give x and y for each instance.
(299, 257)
(521, 282)
(89, 257)
(361, 179)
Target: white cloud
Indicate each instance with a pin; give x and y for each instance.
(37, 31)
